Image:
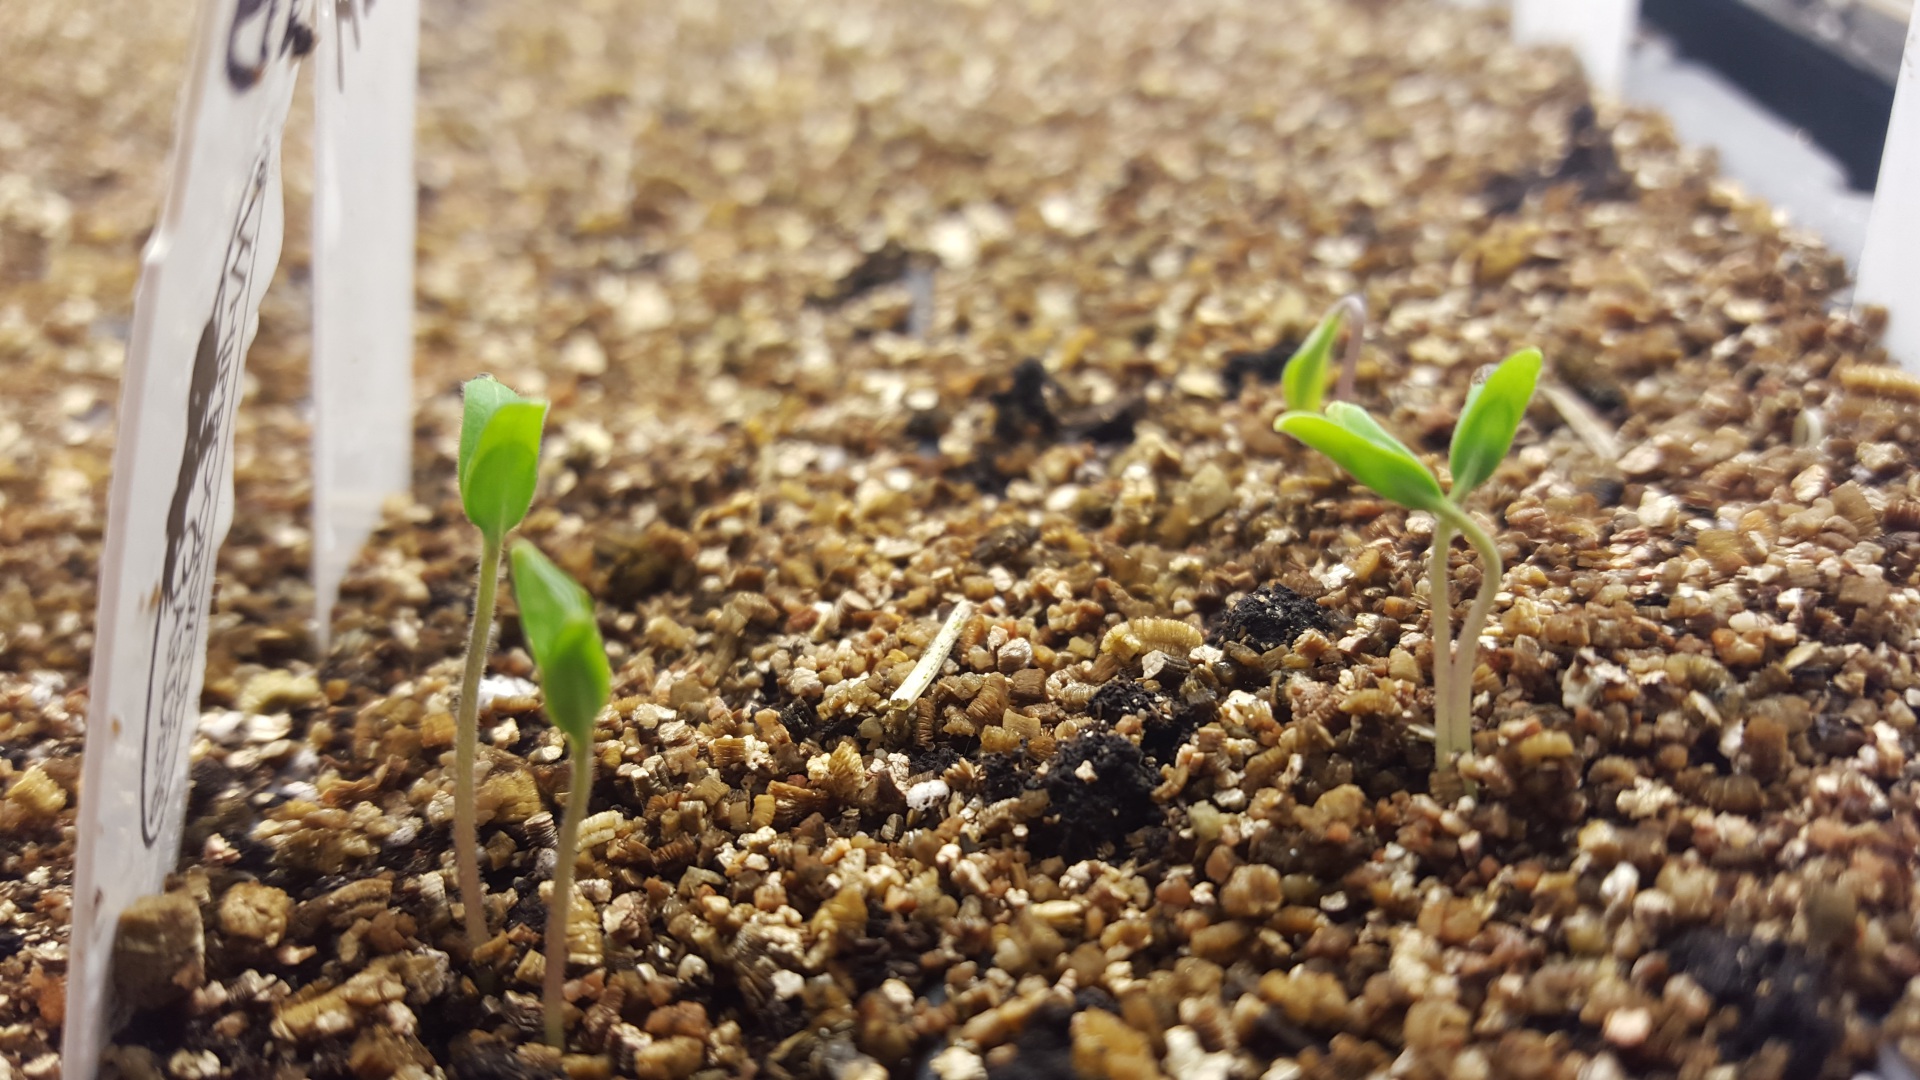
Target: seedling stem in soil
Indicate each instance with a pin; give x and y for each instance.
(498, 466)
(1349, 435)
(557, 616)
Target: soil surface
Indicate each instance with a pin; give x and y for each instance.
(851, 312)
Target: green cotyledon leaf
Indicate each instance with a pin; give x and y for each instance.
(499, 455)
(1309, 371)
(479, 397)
(556, 615)
(1495, 405)
(1360, 446)
(1361, 423)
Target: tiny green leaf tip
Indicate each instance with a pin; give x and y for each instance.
(1496, 403)
(1304, 381)
(557, 616)
(499, 454)
(479, 397)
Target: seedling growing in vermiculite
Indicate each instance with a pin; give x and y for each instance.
(1303, 382)
(557, 617)
(498, 466)
(1357, 443)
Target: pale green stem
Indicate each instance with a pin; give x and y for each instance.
(466, 737)
(1467, 657)
(560, 908)
(1446, 744)
(1356, 318)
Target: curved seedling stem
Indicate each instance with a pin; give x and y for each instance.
(1447, 740)
(1467, 657)
(1355, 307)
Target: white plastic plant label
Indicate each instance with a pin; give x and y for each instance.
(1598, 31)
(363, 230)
(1890, 261)
(195, 312)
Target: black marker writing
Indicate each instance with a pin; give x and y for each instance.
(186, 581)
(262, 31)
(347, 13)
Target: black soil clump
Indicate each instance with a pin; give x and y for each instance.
(1024, 410)
(1777, 987)
(1269, 617)
(1165, 724)
(925, 426)
(1034, 407)
(1090, 815)
(1590, 163)
(1001, 777)
(937, 758)
(1163, 737)
(883, 267)
(1262, 366)
(1124, 697)
(529, 911)
(800, 718)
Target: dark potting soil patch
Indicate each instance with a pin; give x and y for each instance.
(1270, 616)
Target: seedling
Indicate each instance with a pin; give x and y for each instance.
(557, 617)
(1357, 443)
(1303, 382)
(499, 461)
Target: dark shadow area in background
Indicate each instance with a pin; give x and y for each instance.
(1828, 88)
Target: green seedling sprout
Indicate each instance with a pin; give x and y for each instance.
(1303, 382)
(1358, 444)
(557, 616)
(499, 462)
